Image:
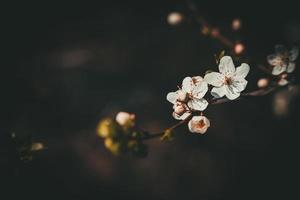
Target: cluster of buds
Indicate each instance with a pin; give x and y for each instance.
(190, 98)
(121, 135)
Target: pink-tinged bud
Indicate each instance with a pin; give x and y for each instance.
(125, 119)
(175, 18)
(199, 124)
(179, 108)
(236, 24)
(282, 82)
(239, 48)
(182, 96)
(205, 30)
(215, 32)
(283, 76)
(263, 82)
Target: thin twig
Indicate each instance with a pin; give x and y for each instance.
(202, 22)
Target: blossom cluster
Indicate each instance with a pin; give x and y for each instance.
(191, 97)
(283, 63)
(121, 135)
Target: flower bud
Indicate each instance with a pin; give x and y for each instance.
(236, 24)
(125, 119)
(175, 18)
(239, 48)
(282, 82)
(37, 146)
(179, 108)
(112, 146)
(263, 82)
(199, 124)
(107, 128)
(205, 30)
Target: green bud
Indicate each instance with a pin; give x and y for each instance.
(107, 128)
(113, 146)
(167, 136)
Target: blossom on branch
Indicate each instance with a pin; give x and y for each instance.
(125, 119)
(283, 59)
(199, 124)
(230, 82)
(189, 97)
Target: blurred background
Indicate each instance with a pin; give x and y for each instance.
(68, 64)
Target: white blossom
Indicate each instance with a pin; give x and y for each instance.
(189, 97)
(125, 119)
(199, 124)
(283, 60)
(230, 82)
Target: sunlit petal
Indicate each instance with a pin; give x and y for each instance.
(231, 92)
(218, 92)
(278, 70)
(226, 66)
(198, 104)
(242, 71)
(239, 84)
(215, 79)
(187, 84)
(172, 97)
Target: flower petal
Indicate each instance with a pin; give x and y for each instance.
(283, 82)
(291, 67)
(197, 80)
(293, 54)
(199, 124)
(239, 84)
(231, 92)
(200, 90)
(274, 60)
(172, 97)
(242, 71)
(187, 84)
(215, 79)
(181, 117)
(226, 66)
(278, 69)
(218, 92)
(198, 104)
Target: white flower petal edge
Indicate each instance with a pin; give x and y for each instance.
(226, 66)
(215, 79)
(181, 117)
(231, 92)
(199, 124)
(218, 92)
(187, 84)
(200, 89)
(230, 82)
(198, 104)
(242, 71)
(291, 67)
(278, 70)
(172, 97)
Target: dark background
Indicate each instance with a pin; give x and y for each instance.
(68, 64)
